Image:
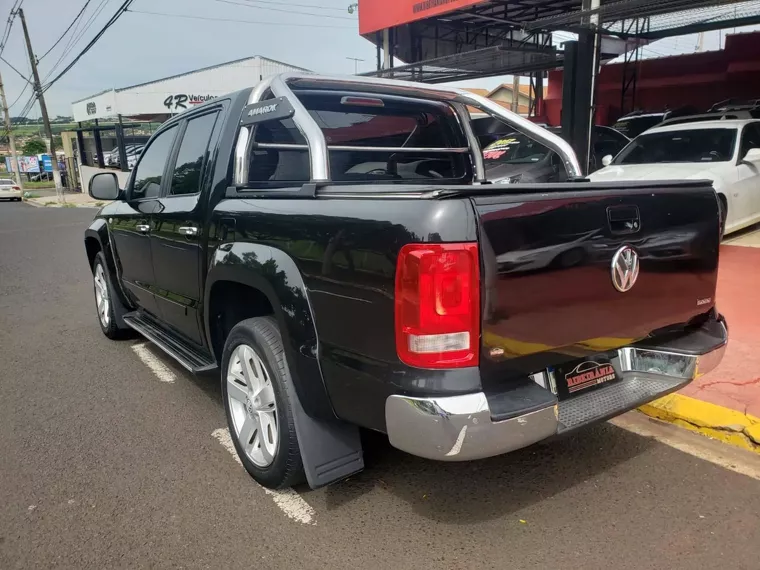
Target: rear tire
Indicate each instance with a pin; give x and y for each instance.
(257, 391)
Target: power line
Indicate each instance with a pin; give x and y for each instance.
(317, 6)
(28, 106)
(9, 64)
(238, 21)
(74, 21)
(120, 10)
(20, 95)
(9, 24)
(75, 37)
(287, 11)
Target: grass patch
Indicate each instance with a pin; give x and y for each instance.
(40, 185)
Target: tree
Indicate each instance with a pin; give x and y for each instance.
(33, 147)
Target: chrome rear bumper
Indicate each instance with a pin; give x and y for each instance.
(460, 428)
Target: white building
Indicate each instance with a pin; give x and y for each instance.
(155, 101)
(179, 92)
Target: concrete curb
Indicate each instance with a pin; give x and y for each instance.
(36, 204)
(714, 421)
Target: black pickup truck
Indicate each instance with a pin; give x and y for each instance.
(332, 248)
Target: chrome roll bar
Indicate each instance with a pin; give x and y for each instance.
(282, 86)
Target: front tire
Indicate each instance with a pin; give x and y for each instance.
(106, 302)
(723, 215)
(257, 391)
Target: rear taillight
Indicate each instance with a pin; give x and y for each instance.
(17, 188)
(438, 305)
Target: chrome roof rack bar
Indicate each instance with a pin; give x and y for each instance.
(281, 86)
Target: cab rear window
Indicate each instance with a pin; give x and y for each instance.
(370, 139)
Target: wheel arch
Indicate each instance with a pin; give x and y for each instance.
(268, 282)
(95, 240)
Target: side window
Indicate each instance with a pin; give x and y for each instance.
(147, 176)
(192, 153)
(750, 138)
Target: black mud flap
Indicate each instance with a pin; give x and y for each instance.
(330, 451)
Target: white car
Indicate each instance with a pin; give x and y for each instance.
(9, 190)
(727, 152)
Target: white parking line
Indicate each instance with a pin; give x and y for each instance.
(290, 502)
(162, 372)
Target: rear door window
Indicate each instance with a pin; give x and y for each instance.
(192, 155)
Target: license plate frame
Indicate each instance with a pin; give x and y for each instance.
(579, 376)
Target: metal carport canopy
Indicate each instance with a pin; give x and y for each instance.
(678, 16)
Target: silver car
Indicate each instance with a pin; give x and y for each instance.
(9, 190)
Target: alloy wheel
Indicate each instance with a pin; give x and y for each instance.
(101, 296)
(252, 405)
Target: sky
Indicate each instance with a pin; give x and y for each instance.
(142, 47)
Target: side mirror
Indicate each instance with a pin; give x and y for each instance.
(104, 186)
(753, 155)
(607, 159)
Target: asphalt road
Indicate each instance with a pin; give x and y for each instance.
(103, 465)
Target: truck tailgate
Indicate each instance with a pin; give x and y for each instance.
(549, 293)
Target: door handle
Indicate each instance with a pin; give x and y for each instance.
(143, 228)
(188, 231)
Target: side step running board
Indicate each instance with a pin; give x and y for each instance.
(188, 356)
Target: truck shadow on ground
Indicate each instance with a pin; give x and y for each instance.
(476, 491)
(473, 491)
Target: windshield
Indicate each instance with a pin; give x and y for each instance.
(514, 148)
(634, 126)
(695, 145)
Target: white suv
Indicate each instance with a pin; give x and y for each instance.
(726, 151)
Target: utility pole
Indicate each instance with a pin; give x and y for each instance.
(356, 61)
(515, 93)
(43, 110)
(11, 138)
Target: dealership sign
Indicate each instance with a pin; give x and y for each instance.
(376, 15)
(182, 101)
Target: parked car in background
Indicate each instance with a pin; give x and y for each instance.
(515, 157)
(109, 158)
(42, 177)
(112, 158)
(9, 190)
(133, 156)
(724, 151)
(132, 152)
(633, 124)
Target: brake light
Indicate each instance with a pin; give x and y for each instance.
(438, 305)
(17, 188)
(362, 101)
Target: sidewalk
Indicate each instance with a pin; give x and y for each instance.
(73, 200)
(725, 404)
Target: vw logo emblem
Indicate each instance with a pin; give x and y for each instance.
(625, 268)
